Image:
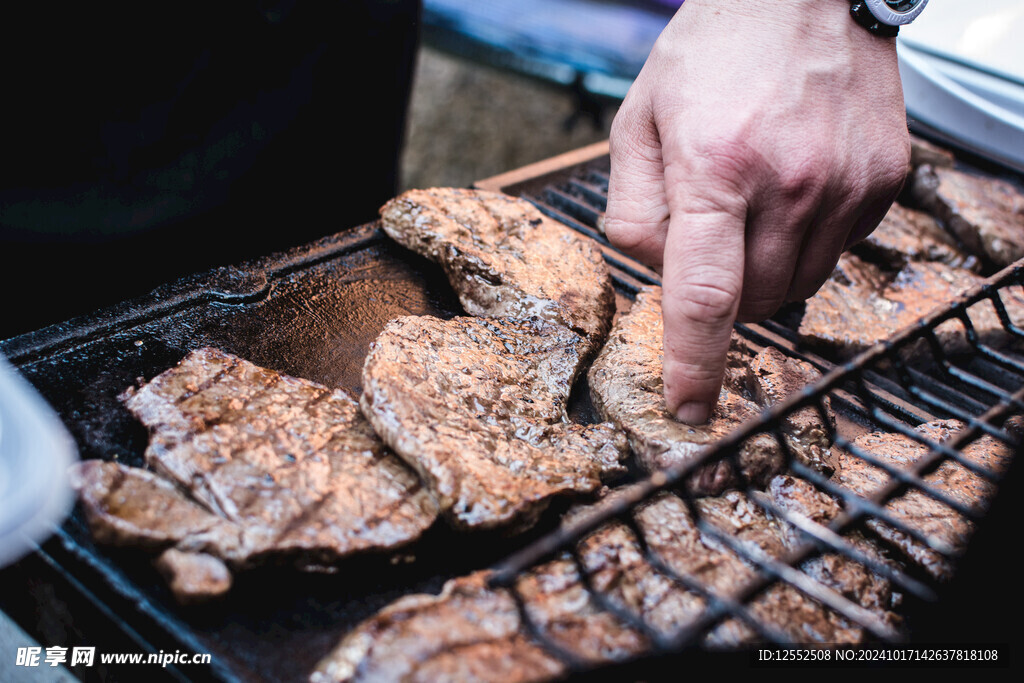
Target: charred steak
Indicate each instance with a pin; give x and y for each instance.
(471, 631)
(986, 214)
(506, 259)
(249, 463)
(477, 407)
(626, 388)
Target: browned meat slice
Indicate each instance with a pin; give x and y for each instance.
(470, 628)
(428, 638)
(908, 235)
(915, 509)
(626, 388)
(250, 463)
(473, 632)
(923, 152)
(671, 531)
(194, 577)
(848, 578)
(291, 461)
(477, 407)
(861, 305)
(131, 506)
(506, 259)
(986, 214)
(771, 377)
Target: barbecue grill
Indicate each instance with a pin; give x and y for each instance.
(313, 311)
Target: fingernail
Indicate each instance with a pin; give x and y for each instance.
(694, 412)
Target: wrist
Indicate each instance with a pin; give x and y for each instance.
(820, 26)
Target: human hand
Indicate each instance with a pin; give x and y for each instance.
(755, 146)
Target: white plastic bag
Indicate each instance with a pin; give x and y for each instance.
(35, 453)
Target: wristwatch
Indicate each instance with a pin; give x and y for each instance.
(884, 17)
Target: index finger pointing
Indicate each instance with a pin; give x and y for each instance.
(702, 284)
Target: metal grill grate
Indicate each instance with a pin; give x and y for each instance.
(913, 377)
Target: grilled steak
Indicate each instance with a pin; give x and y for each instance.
(619, 571)
(861, 305)
(986, 214)
(193, 577)
(250, 463)
(626, 388)
(915, 509)
(470, 628)
(770, 377)
(839, 573)
(923, 152)
(468, 632)
(908, 235)
(131, 506)
(477, 407)
(504, 258)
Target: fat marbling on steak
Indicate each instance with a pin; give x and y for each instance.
(506, 259)
(254, 463)
(478, 407)
(474, 632)
(626, 388)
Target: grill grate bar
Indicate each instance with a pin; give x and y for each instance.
(567, 219)
(968, 377)
(573, 662)
(568, 205)
(1004, 317)
(860, 508)
(595, 195)
(943, 450)
(900, 479)
(1001, 359)
(826, 538)
(784, 569)
(717, 607)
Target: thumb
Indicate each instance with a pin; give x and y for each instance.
(702, 284)
(636, 220)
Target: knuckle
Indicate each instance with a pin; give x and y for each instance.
(712, 303)
(633, 133)
(684, 372)
(803, 178)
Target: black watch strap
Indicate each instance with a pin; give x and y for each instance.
(863, 16)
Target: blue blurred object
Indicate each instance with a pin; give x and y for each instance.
(595, 46)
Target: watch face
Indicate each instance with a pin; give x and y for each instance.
(895, 12)
(902, 5)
